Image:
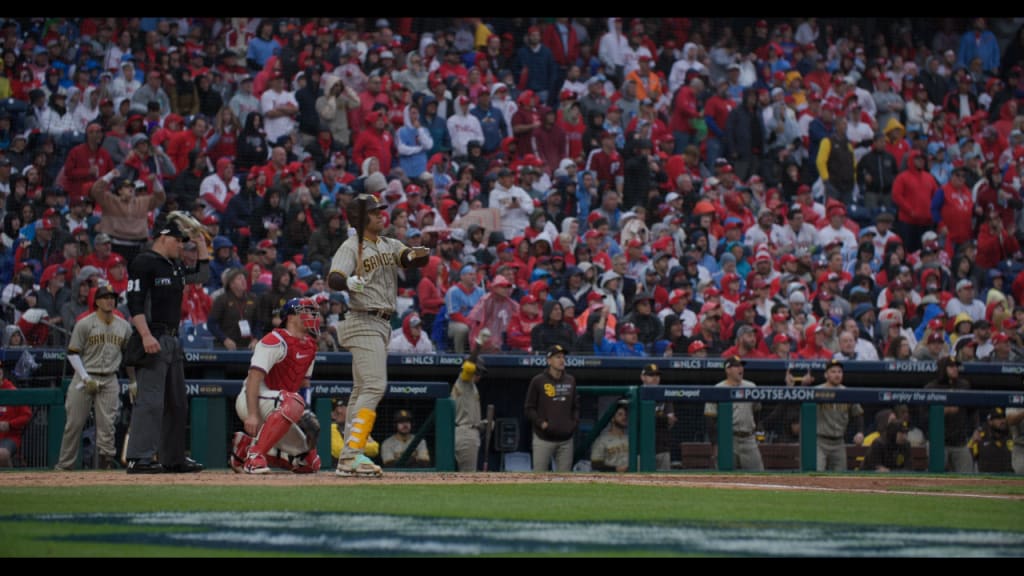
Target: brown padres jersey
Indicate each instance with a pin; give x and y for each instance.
(98, 343)
(834, 418)
(381, 260)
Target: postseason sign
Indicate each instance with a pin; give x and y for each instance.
(830, 395)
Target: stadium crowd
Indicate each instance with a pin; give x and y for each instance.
(792, 188)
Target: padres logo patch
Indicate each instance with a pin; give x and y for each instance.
(549, 390)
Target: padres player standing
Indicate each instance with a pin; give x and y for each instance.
(833, 420)
(270, 406)
(367, 265)
(745, 453)
(155, 289)
(553, 406)
(95, 353)
(467, 408)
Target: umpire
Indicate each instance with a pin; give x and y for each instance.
(156, 283)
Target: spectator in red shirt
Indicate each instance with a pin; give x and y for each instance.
(13, 420)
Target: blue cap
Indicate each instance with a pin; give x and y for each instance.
(221, 242)
(304, 271)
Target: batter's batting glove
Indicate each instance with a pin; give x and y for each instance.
(92, 386)
(356, 284)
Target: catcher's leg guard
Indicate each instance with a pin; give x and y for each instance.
(362, 424)
(279, 422)
(239, 450)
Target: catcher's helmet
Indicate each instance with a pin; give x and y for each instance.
(307, 310)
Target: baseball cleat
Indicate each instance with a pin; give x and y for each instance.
(256, 464)
(358, 466)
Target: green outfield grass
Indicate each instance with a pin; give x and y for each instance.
(515, 502)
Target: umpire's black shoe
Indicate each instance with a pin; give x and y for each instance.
(189, 465)
(144, 467)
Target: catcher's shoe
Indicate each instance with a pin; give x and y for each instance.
(358, 466)
(239, 449)
(255, 463)
(308, 465)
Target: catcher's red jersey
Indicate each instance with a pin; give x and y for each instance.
(285, 359)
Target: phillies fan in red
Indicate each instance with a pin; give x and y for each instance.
(279, 430)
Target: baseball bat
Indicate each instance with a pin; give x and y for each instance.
(487, 434)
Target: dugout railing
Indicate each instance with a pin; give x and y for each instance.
(807, 398)
(211, 410)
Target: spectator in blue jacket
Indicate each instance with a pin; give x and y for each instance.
(538, 63)
(981, 43)
(628, 343)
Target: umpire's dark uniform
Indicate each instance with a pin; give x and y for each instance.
(155, 289)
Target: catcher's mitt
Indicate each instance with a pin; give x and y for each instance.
(188, 223)
(310, 426)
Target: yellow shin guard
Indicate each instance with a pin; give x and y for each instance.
(362, 425)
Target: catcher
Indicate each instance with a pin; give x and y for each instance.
(279, 430)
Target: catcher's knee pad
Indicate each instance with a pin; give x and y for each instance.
(292, 406)
(362, 424)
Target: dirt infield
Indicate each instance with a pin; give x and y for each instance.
(934, 485)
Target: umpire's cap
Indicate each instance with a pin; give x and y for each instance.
(172, 229)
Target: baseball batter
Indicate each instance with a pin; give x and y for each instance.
(833, 420)
(745, 453)
(367, 266)
(279, 430)
(95, 353)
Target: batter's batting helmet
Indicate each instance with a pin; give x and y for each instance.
(360, 208)
(307, 310)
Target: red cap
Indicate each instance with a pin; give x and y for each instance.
(1000, 337)
(592, 234)
(628, 328)
(936, 324)
(780, 318)
(528, 299)
(787, 258)
(636, 243)
(712, 292)
(936, 337)
(594, 296)
(677, 294)
(708, 306)
(210, 220)
(265, 244)
(780, 338)
(696, 346)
